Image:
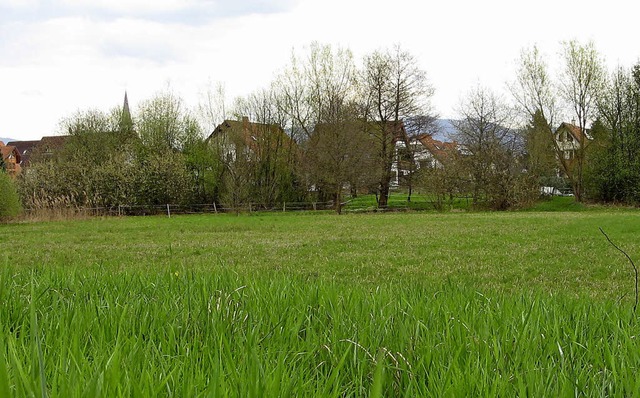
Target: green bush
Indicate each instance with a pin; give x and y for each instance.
(9, 200)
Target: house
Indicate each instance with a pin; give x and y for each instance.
(25, 148)
(259, 139)
(434, 153)
(11, 159)
(568, 139)
(423, 151)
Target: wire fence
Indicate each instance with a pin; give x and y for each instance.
(398, 203)
(213, 208)
(175, 209)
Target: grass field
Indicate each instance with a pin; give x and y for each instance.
(412, 304)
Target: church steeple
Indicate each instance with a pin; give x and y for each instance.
(126, 122)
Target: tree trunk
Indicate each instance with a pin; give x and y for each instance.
(384, 194)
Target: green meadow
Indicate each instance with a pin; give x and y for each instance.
(533, 303)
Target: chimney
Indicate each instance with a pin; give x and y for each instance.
(573, 121)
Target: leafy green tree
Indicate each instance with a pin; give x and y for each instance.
(161, 178)
(203, 164)
(9, 200)
(613, 167)
(163, 122)
(578, 85)
(540, 150)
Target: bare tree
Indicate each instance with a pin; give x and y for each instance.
(492, 149)
(581, 82)
(339, 154)
(576, 87)
(212, 109)
(275, 154)
(395, 89)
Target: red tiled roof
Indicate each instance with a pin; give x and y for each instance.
(574, 130)
(440, 150)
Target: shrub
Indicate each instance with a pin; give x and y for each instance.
(9, 200)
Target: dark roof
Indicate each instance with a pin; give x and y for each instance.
(54, 141)
(24, 148)
(250, 133)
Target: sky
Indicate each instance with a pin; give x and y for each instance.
(61, 56)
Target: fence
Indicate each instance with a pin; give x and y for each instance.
(173, 209)
(350, 206)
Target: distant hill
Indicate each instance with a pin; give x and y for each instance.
(5, 140)
(445, 130)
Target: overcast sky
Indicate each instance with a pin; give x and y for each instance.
(58, 56)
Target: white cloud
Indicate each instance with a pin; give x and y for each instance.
(84, 54)
(136, 6)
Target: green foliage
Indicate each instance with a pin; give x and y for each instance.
(204, 164)
(161, 178)
(613, 173)
(104, 164)
(9, 200)
(164, 123)
(541, 153)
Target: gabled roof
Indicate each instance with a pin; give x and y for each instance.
(250, 133)
(574, 131)
(25, 148)
(8, 150)
(439, 149)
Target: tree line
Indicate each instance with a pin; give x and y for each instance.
(329, 126)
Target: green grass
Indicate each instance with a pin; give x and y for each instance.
(417, 304)
(560, 203)
(398, 201)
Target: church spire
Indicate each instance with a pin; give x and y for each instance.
(125, 107)
(126, 122)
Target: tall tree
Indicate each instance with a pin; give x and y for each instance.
(275, 154)
(395, 89)
(540, 150)
(340, 153)
(580, 84)
(613, 170)
(320, 95)
(575, 89)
